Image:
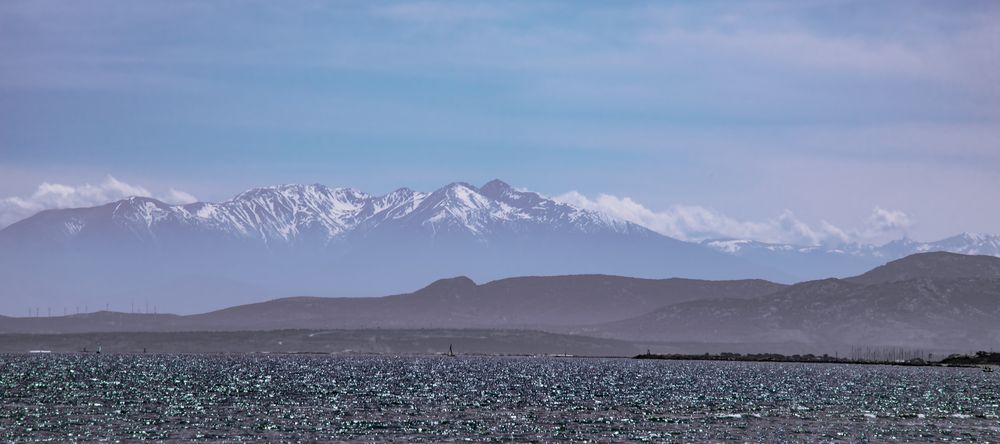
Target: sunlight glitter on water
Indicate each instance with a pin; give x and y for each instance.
(267, 397)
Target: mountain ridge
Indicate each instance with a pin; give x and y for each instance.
(908, 302)
(292, 211)
(848, 259)
(954, 309)
(939, 264)
(458, 302)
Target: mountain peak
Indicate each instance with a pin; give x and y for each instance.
(461, 194)
(258, 192)
(452, 282)
(406, 191)
(141, 200)
(974, 237)
(139, 203)
(495, 187)
(449, 288)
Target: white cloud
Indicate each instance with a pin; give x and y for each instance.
(884, 221)
(55, 195)
(179, 197)
(696, 223)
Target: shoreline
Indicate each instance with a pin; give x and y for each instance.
(777, 358)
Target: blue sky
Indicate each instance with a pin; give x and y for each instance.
(785, 121)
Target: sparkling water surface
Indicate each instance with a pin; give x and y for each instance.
(384, 398)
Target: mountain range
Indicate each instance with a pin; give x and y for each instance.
(943, 302)
(815, 262)
(318, 241)
(314, 240)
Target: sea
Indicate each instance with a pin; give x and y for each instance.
(377, 398)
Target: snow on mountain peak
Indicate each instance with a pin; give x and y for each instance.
(465, 195)
(969, 243)
(965, 243)
(976, 237)
(728, 246)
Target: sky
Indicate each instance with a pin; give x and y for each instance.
(807, 122)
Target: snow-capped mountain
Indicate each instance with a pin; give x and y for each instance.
(965, 243)
(319, 215)
(312, 239)
(814, 262)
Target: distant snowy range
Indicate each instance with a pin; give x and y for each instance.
(314, 240)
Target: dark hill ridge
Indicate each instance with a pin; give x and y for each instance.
(940, 302)
(934, 300)
(933, 265)
(524, 302)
